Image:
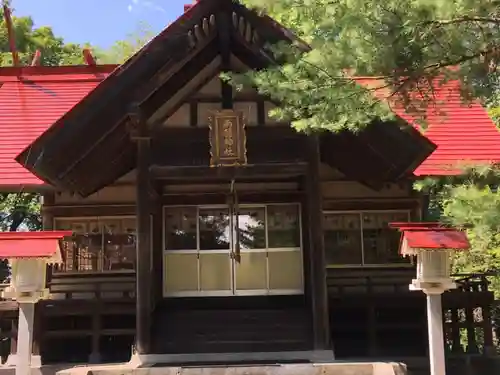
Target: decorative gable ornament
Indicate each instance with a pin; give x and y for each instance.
(433, 246)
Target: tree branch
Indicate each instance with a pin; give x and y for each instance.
(464, 19)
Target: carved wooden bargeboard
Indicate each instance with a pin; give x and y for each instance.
(227, 138)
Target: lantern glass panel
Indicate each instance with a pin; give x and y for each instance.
(433, 264)
(28, 275)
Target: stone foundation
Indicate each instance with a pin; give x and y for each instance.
(367, 368)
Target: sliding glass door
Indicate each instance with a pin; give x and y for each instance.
(222, 251)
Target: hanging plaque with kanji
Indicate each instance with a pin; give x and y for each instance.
(227, 138)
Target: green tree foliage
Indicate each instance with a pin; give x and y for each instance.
(493, 104)
(19, 210)
(408, 44)
(29, 39)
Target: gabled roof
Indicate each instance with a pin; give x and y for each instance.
(31, 100)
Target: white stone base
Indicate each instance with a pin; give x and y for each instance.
(36, 361)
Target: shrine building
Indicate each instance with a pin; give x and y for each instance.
(207, 232)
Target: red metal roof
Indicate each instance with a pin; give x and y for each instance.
(464, 134)
(31, 100)
(431, 236)
(436, 239)
(31, 244)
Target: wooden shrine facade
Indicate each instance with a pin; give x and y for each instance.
(204, 227)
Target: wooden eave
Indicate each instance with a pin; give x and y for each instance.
(380, 153)
(96, 126)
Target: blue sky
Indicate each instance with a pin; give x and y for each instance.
(99, 22)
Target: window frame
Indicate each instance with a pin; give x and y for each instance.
(90, 218)
(409, 264)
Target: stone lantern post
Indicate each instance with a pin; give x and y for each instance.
(432, 245)
(28, 254)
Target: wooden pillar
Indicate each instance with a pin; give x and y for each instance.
(158, 246)
(139, 134)
(95, 354)
(48, 200)
(317, 264)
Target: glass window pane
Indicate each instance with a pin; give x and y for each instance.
(252, 228)
(283, 226)
(215, 230)
(180, 228)
(180, 273)
(128, 242)
(119, 246)
(98, 244)
(215, 271)
(88, 249)
(251, 272)
(381, 244)
(111, 244)
(285, 270)
(69, 245)
(342, 238)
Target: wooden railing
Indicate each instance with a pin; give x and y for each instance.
(468, 317)
(114, 286)
(378, 301)
(88, 287)
(85, 309)
(343, 281)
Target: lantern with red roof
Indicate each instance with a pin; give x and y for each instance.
(28, 254)
(433, 245)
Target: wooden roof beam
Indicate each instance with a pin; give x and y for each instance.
(37, 58)
(251, 172)
(10, 34)
(88, 57)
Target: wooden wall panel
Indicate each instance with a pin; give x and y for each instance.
(204, 110)
(224, 188)
(108, 195)
(327, 173)
(212, 88)
(249, 110)
(355, 190)
(180, 118)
